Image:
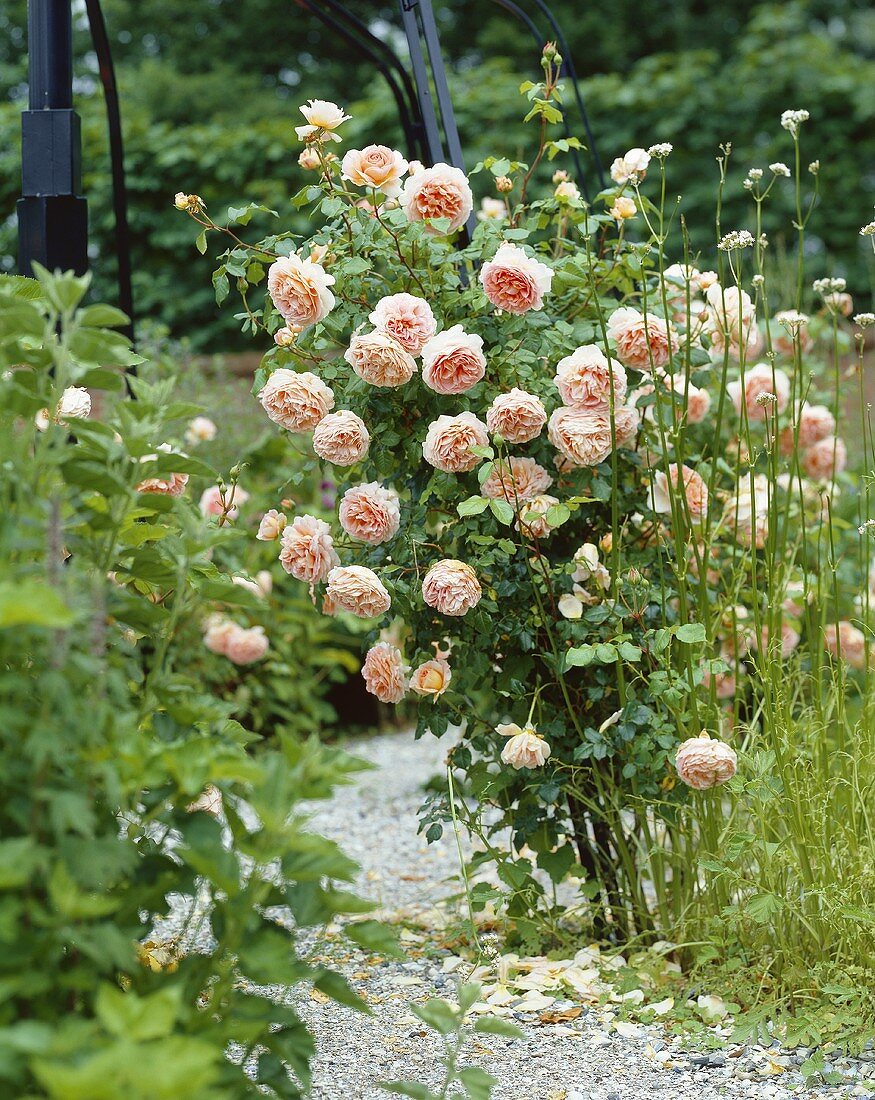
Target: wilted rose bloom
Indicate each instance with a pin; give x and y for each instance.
(491, 209)
(244, 647)
(532, 521)
(211, 502)
(379, 359)
(299, 290)
(642, 342)
(208, 802)
(515, 282)
(583, 437)
(584, 379)
(170, 485)
(218, 631)
(761, 379)
(524, 748)
(359, 590)
(438, 192)
(790, 327)
(731, 320)
(272, 525)
(846, 640)
(747, 513)
(451, 587)
(321, 114)
(825, 459)
(453, 361)
(374, 166)
(370, 513)
(633, 166)
(341, 438)
(307, 549)
(296, 401)
(75, 404)
(449, 440)
(200, 430)
(694, 489)
(815, 422)
(516, 416)
(703, 762)
(431, 677)
(384, 673)
(623, 208)
(516, 479)
(407, 319)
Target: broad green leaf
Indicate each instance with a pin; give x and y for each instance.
(32, 603)
(691, 632)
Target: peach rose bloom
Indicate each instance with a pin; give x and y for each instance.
(515, 282)
(694, 488)
(788, 328)
(532, 522)
(584, 379)
(272, 525)
(431, 677)
(211, 502)
(731, 320)
(703, 762)
(296, 401)
(747, 513)
(374, 166)
(642, 342)
(299, 290)
(244, 647)
(825, 459)
(438, 192)
(370, 513)
(451, 587)
(583, 437)
(341, 438)
(383, 670)
(261, 586)
(407, 319)
(449, 440)
(698, 401)
(724, 683)
(516, 416)
(453, 361)
(816, 422)
(516, 479)
(845, 640)
(218, 630)
(524, 747)
(627, 420)
(379, 359)
(359, 590)
(632, 166)
(200, 430)
(169, 485)
(307, 549)
(321, 114)
(760, 379)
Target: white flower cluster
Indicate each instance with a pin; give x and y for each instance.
(793, 321)
(868, 230)
(661, 150)
(792, 120)
(738, 238)
(864, 319)
(779, 168)
(829, 286)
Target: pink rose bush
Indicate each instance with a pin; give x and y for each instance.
(514, 281)
(296, 401)
(453, 361)
(431, 194)
(370, 513)
(300, 290)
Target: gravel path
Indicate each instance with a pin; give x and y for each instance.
(584, 1059)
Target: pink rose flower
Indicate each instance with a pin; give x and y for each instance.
(321, 114)
(299, 290)
(515, 282)
(296, 401)
(307, 549)
(825, 459)
(453, 361)
(217, 632)
(370, 513)
(383, 670)
(439, 192)
(532, 520)
(449, 440)
(583, 437)
(642, 343)
(632, 166)
(244, 647)
(698, 401)
(584, 379)
(169, 485)
(211, 502)
(747, 513)
(359, 590)
(374, 166)
(761, 383)
(515, 480)
(694, 489)
(379, 359)
(703, 762)
(847, 641)
(341, 438)
(516, 416)
(431, 677)
(816, 422)
(200, 430)
(272, 525)
(525, 748)
(451, 587)
(407, 319)
(731, 320)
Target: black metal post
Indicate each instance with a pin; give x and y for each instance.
(52, 216)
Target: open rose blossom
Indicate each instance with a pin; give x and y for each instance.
(583, 437)
(760, 380)
(515, 282)
(632, 166)
(216, 633)
(299, 290)
(524, 747)
(375, 166)
(307, 549)
(169, 485)
(584, 379)
(321, 114)
(431, 677)
(642, 342)
(516, 479)
(698, 400)
(746, 513)
(379, 359)
(244, 647)
(296, 401)
(341, 438)
(449, 440)
(407, 319)
(845, 640)
(731, 322)
(532, 520)
(370, 513)
(815, 422)
(200, 430)
(272, 525)
(703, 762)
(211, 502)
(451, 587)
(453, 361)
(516, 416)
(359, 590)
(384, 673)
(825, 459)
(694, 489)
(438, 192)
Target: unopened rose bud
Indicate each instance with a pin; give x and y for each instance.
(285, 337)
(560, 175)
(309, 159)
(319, 253)
(606, 543)
(181, 201)
(504, 184)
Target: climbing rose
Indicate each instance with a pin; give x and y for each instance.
(244, 647)
(299, 290)
(375, 166)
(431, 677)
(516, 416)
(584, 379)
(211, 502)
(307, 549)
(359, 590)
(694, 488)
(341, 438)
(379, 359)
(406, 318)
(321, 114)
(825, 459)
(439, 192)
(524, 748)
(642, 342)
(515, 282)
(296, 401)
(383, 671)
(451, 587)
(449, 440)
(846, 639)
(583, 437)
(370, 513)
(759, 380)
(272, 525)
(453, 361)
(703, 762)
(516, 479)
